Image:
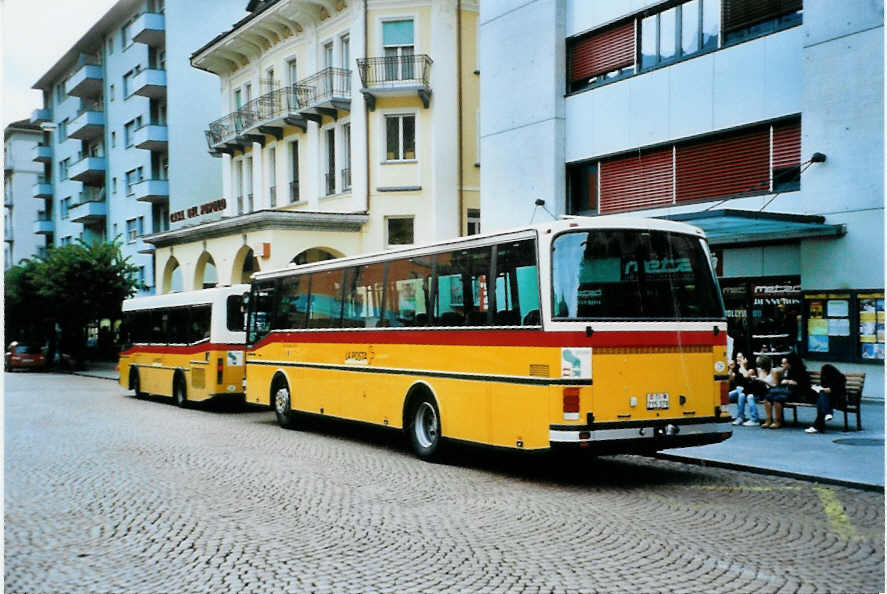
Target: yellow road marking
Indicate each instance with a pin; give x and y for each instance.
(834, 510)
(743, 488)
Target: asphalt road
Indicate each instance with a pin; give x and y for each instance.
(104, 492)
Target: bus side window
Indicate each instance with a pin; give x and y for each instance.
(177, 325)
(407, 292)
(517, 284)
(462, 297)
(201, 320)
(260, 311)
(325, 310)
(158, 326)
(292, 303)
(234, 313)
(363, 296)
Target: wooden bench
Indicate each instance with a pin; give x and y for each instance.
(855, 381)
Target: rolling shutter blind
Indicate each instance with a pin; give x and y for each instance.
(602, 52)
(787, 144)
(733, 164)
(637, 181)
(739, 14)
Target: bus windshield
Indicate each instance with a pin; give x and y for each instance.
(632, 274)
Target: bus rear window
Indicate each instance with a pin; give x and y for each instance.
(632, 274)
(234, 313)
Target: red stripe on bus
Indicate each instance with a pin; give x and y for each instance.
(501, 338)
(180, 350)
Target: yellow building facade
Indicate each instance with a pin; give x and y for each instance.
(349, 127)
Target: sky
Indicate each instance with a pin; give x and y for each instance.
(36, 33)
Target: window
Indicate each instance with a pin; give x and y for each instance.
(582, 188)
(461, 293)
(128, 129)
(473, 221)
(125, 36)
(363, 296)
(140, 226)
(66, 240)
(63, 130)
(398, 44)
(294, 171)
(399, 230)
(131, 230)
(328, 54)
(330, 161)
(293, 71)
(292, 305)
(272, 176)
(400, 137)
(679, 32)
(234, 310)
(238, 99)
(110, 46)
(325, 309)
(60, 92)
(787, 156)
(600, 56)
(408, 291)
(113, 139)
(65, 207)
(63, 168)
(248, 170)
(201, 323)
(516, 296)
(111, 92)
(346, 156)
(261, 311)
(345, 51)
(744, 19)
(127, 83)
(113, 185)
(132, 178)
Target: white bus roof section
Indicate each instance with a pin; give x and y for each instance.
(201, 297)
(549, 227)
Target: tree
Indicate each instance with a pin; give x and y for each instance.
(25, 313)
(71, 286)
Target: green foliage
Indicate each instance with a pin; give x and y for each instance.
(70, 285)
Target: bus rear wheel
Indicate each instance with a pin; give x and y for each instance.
(280, 400)
(134, 383)
(424, 428)
(179, 392)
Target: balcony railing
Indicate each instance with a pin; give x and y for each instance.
(325, 86)
(346, 179)
(294, 192)
(149, 28)
(395, 76)
(153, 136)
(271, 106)
(88, 169)
(240, 204)
(330, 185)
(88, 79)
(272, 196)
(249, 203)
(42, 153)
(43, 188)
(89, 194)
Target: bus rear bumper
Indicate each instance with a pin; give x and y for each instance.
(640, 436)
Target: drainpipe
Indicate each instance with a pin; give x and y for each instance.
(366, 108)
(459, 105)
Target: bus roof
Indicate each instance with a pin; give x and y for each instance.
(199, 297)
(565, 223)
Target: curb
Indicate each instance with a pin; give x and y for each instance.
(771, 472)
(95, 375)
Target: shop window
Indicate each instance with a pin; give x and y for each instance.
(844, 326)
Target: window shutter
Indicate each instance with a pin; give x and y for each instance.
(602, 52)
(731, 164)
(787, 144)
(397, 33)
(637, 181)
(739, 14)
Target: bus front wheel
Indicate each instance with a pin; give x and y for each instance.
(280, 400)
(134, 383)
(179, 392)
(424, 428)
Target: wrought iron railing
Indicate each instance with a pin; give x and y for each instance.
(395, 70)
(330, 183)
(346, 178)
(294, 191)
(329, 83)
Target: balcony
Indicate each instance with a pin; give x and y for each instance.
(152, 137)
(44, 225)
(151, 190)
(326, 92)
(42, 189)
(38, 116)
(91, 209)
(88, 80)
(89, 123)
(88, 169)
(267, 114)
(150, 83)
(149, 28)
(395, 76)
(42, 153)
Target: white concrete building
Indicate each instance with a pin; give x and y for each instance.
(347, 126)
(21, 175)
(761, 122)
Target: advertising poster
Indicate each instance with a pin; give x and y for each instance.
(838, 327)
(871, 326)
(838, 308)
(576, 362)
(817, 343)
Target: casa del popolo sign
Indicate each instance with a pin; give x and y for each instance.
(196, 211)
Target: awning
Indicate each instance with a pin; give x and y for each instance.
(733, 228)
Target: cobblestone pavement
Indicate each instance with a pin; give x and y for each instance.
(108, 493)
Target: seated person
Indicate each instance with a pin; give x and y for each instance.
(745, 402)
(831, 393)
(794, 385)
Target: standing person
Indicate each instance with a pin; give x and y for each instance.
(740, 375)
(831, 393)
(794, 385)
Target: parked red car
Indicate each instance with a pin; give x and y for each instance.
(21, 356)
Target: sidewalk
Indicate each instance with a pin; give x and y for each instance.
(852, 458)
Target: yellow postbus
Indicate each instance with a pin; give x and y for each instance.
(605, 333)
(188, 346)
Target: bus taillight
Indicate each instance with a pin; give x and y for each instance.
(725, 393)
(220, 367)
(571, 404)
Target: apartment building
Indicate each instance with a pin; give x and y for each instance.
(120, 118)
(21, 184)
(346, 127)
(761, 122)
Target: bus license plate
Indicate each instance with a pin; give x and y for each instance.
(657, 400)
